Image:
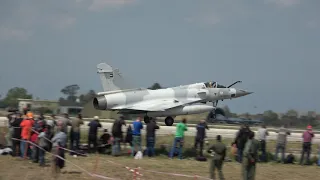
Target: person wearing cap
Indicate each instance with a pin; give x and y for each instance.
(26, 128)
(307, 143)
(220, 150)
(93, 133)
(250, 157)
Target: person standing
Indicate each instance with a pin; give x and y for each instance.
(201, 135)
(26, 128)
(59, 141)
(75, 130)
(50, 130)
(151, 137)
(241, 139)
(43, 143)
(250, 157)
(307, 144)
(15, 124)
(319, 155)
(136, 135)
(65, 122)
(262, 136)
(117, 135)
(219, 149)
(283, 132)
(93, 133)
(179, 138)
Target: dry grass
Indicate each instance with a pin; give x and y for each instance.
(15, 168)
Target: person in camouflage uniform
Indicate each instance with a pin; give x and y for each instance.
(219, 149)
(250, 157)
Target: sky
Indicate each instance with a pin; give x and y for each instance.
(272, 46)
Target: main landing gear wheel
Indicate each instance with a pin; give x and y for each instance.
(169, 121)
(147, 119)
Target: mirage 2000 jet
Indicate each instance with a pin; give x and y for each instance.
(166, 102)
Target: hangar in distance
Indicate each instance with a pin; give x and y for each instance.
(166, 102)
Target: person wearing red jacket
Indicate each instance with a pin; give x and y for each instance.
(26, 126)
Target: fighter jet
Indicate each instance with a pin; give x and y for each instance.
(166, 102)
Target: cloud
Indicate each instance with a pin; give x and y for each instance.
(11, 33)
(98, 5)
(284, 3)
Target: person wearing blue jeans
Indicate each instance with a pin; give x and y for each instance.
(151, 137)
(23, 151)
(180, 129)
(175, 142)
(116, 146)
(150, 146)
(136, 135)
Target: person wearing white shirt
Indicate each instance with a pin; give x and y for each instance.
(262, 136)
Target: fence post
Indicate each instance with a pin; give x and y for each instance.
(96, 165)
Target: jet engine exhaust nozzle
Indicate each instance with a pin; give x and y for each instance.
(100, 103)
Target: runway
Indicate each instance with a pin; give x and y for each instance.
(211, 133)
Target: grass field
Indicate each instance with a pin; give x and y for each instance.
(114, 167)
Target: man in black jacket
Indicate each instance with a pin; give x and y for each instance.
(241, 139)
(151, 137)
(93, 133)
(117, 135)
(15, 124)
(201, 134)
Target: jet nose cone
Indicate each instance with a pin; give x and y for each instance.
(240, 93)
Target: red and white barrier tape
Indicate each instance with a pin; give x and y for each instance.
(69, 150)
(90, 174)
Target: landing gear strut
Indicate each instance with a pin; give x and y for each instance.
(169, 121)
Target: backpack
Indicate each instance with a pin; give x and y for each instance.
(290, 159)
(201, 158)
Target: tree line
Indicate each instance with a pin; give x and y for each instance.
(71, 97)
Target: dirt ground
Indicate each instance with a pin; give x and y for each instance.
(114, 167)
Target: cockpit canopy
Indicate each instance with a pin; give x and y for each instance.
(213, 84)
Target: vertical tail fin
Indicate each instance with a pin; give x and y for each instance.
(107, 75)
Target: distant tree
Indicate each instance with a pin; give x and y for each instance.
(291, 118)
(14, 94)
(85, 98)
(70, 90)
(271, 118)
(155, 86)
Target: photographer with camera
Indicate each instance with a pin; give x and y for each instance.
(307, 143)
